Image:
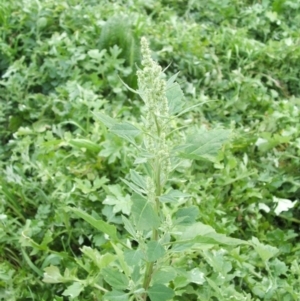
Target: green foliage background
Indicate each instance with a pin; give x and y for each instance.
(61, 60)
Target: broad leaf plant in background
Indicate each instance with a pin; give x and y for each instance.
(75, 162)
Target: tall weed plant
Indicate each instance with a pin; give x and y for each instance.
(163, 227)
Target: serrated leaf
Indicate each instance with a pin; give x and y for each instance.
(204, 144)
(115, 278)
(98, 224)
(74, 290)
(160, 292)
(52, 275)
(264, 251)
(116, 296)
(154, 251)
(143, 214)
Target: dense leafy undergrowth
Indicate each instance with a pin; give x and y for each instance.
(64, 62)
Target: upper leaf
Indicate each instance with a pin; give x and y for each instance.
(203, 144)
(144, 216)
(174, 95)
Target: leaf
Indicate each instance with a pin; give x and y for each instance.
(116, 296)
(106, 120)
(143, 214)
(98, 224)
(74, 290)
(133, 257)
(174, 95)
(264, 251)
(96, 54)
(186, 216)
(172, 196)
(164, 275)
(85, 143)
(126, 131)
(119, 203)
(128, 226)
(154, 251)
(101, 261)
(196, 276)
(137, 179)
(160, 292)
(134, 187)
(199, 233)
(115, 278)
(120, 256)
(219, 239)
(52, 275)
(204, 144)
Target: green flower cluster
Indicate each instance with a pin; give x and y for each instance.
(152, 89)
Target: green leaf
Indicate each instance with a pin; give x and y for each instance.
(126, 131)
(197, 229)
(164, 275)
(98, 224)
(186, 216)
(134, 187)
(143, 214)
(74, 290)
(264, 251)
(120, 256)
(116, 296)
(137, 179)
(133, 257)
(204, 144)
(219, 239)
(115, 278)
(154, 251)
(101, 261)
(174, 95)
(199, 233)
(196, 276)
(85, 143)
(106, 120)
(52, 275)
(172, 196)
(160, 292)
(128, 226)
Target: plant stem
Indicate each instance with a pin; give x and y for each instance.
(155, 236)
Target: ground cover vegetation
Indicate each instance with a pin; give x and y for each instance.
(167, 170)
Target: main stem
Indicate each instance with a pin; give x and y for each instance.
(155, 236)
